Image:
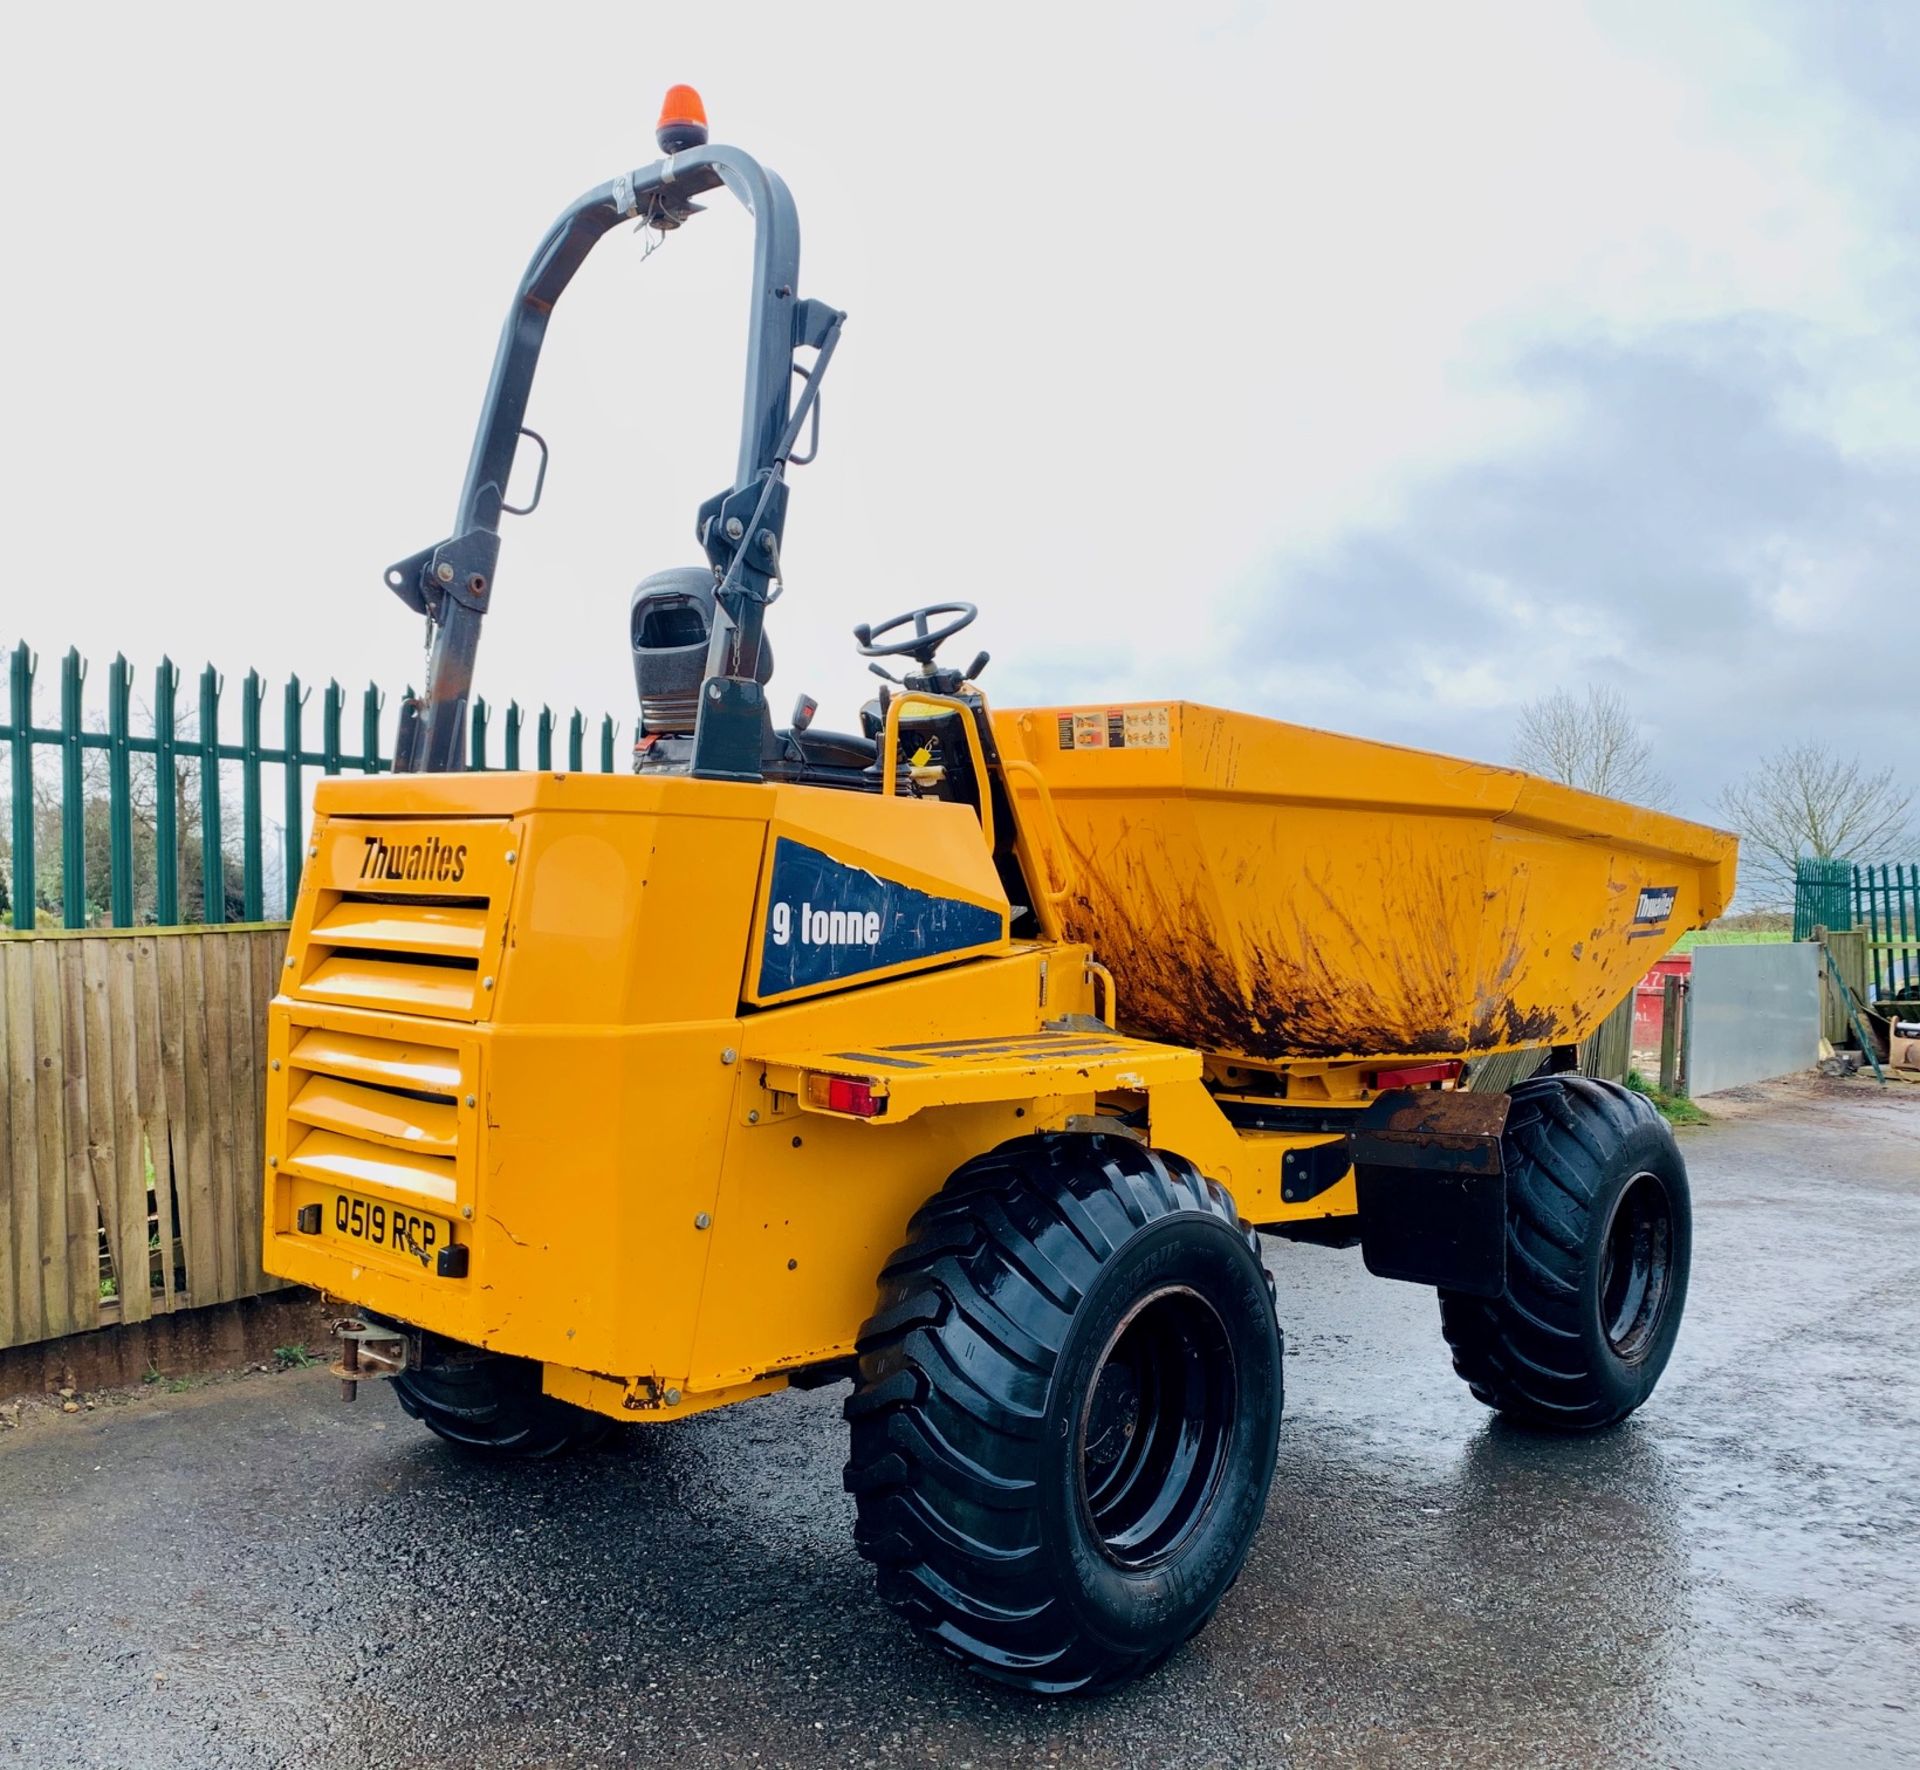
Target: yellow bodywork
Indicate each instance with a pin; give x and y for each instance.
(1269, 892)
(555, 1018)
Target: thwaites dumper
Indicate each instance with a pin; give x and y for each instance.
(961, 1057)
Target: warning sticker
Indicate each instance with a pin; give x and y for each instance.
(1117, 728)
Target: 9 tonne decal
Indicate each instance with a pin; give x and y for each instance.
(827, 921)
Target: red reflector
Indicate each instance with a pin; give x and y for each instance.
(1419, 1075)
(854, 1097)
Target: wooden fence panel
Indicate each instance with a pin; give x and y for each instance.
(10, 1318)
(244, 1080)
(23, 1148)
(131, 1123)
(133, 1236)
(220, 1109)
(1608, 1054)
(1849, 949)
(269, 955)
(94, 1048)
(82, 1194)
(49, 1100)
(150, 1112)
(250, 1084)
(190, 1136)
(169, 1128)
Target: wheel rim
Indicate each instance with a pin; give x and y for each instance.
(1156, 1427)
(1636, 1266)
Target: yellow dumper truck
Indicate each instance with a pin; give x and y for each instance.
(962, 1056)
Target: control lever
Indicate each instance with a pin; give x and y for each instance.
(973, 670)
(803, 711)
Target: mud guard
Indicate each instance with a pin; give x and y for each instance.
(1432, 1189)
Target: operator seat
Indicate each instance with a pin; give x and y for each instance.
(670, 624)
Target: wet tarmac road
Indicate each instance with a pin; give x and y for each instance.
(251, 1573)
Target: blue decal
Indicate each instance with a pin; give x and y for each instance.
(826, 921)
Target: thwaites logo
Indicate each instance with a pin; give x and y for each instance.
(435, 861)
(1655, 908)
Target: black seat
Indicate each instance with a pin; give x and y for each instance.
(834, 749)
(669, 627)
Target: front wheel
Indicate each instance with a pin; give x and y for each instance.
(1599, 1245)
(1066, 1418)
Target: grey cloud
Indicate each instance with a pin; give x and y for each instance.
(1869, 49)
(1641, 546)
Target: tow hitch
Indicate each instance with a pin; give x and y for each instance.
(368, 1350)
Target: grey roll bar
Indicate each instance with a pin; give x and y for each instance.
(453, 582)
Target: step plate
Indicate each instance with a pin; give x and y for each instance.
(905, 1079)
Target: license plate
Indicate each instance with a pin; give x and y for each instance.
(370, 1223)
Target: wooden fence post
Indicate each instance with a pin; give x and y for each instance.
(1672, 1007)
(1608, 1054)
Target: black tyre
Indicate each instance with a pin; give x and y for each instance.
(1066, 1416)
(1599, 1242)
(491, 1405)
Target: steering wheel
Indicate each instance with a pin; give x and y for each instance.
(924, 641)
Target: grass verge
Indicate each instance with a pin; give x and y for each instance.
(1676, 1109)
(1729, 937)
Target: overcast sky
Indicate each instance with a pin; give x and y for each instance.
(1379, 368)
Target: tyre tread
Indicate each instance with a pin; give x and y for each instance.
(1513, 1351)
(934, 1435)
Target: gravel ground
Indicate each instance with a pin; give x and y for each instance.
(250, 1573)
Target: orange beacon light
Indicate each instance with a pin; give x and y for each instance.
(683, 121)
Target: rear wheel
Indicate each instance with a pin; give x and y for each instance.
(1065, 1423)
(492, 1405)
(1599, 1244)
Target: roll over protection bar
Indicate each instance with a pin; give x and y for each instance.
(452, 582)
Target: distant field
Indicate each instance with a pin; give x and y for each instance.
(1729, 937)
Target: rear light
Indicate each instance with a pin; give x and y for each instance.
(842, 1094)
(1419, 1075)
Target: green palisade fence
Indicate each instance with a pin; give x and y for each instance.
(165, 792)
(1886, 903)
(1822, 895)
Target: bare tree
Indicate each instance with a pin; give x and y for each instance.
(1808, 800)
(1591, 741)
